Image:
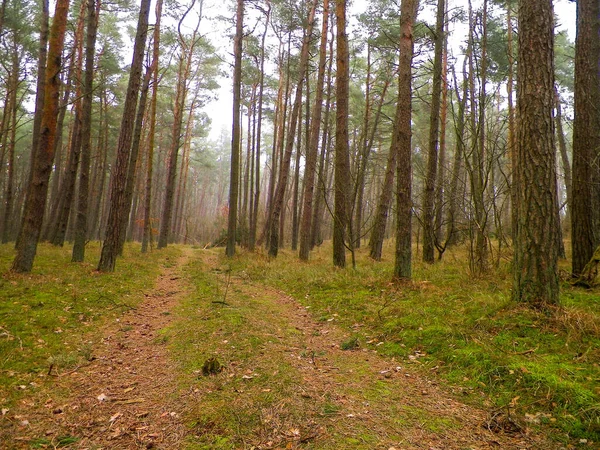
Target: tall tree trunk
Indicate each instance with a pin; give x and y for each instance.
(322, 185)
(185, 62)
(236, 132)
(440, 197)
(434, 123)
(147, 237)
(512, 144)
(117, 209)
(586, 133)
(42, 164)
(296, 192)
(566, 165)
(10, 116)
(86, 134)
(312, 148)
(403, 260)
(261, 82)
(279, 196)
(536, 251)
(39, 98)
(132, 166)
(479, 250)
(378, 229)
(341, 220)
(459, 151)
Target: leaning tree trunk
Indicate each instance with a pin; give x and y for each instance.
(117, 209)
(42, 164)
(279, 196)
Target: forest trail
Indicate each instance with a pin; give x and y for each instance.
(286, 373)
(285, 381)
(125, 397)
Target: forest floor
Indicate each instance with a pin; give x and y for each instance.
(283, 380)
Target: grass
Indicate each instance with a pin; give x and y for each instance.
(542, 366)
(49, 318)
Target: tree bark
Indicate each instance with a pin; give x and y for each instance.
(279, 196)
(536, 252)
(147, 237)
(81, 228)
(236, 132)
(117, 209)
(434, 122)
(586, 132)
(403, 259)
(312, 149)
(42, 164)
(341, 219)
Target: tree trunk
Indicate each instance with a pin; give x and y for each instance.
(86, 135)
(236, 132)
(132, 166)
(10, 118)
(39, 97)
(312, 148)
(403, 260)
(586, 132)
(42, 164)
(536, 252)
(341, 219)
(279, 196)
(254, 225)
(117, 209)
(434, 123)
(147, 237)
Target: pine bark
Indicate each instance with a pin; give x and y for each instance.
(342, 235)
(586, 133)
(236, 132)
(403, 258)
(536, 251)
(279, 196)
(147, 237)
(312, 149)
(117, 208)
(432, 154)
(42, 164)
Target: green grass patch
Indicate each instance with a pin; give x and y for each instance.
(49, 318)
(540, 364)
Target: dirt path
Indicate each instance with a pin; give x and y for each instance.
(332, 399)
(286, 384)
(125, 398)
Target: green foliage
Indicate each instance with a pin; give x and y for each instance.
(543, 366)
(48, 318)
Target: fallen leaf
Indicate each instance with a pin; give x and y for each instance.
(115, 417)
(4, 411)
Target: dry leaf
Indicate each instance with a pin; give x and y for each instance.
(115, 417)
